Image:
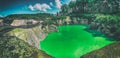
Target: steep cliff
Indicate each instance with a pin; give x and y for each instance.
(100, 15)
(31, 35)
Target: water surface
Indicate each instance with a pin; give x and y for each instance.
(71, 42)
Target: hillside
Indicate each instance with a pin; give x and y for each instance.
(98, 15)
(13, 47)
(110, 51)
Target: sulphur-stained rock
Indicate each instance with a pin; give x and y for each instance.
(31, 35)
(13, 47)
(110, 51)
(31, 31)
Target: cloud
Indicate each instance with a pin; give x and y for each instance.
(39, 7)
(31, 7)
(51, 4)
(58, 3)
(73, 0)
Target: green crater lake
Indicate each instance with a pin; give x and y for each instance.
(72, 41)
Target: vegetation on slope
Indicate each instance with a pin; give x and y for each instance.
(30, 16)
(91, 7)
(100, 15)
(12, 47)
(110, 51)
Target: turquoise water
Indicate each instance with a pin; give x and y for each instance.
(71, 42)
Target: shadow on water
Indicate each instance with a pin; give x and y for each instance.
(97, 33)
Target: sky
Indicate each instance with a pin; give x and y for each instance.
(8, 7)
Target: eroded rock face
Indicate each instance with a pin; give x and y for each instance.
(110, 51)
(17, 22)
(30, 35)
(13, 47)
